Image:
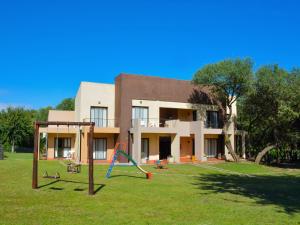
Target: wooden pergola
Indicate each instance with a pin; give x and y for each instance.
(37, 125)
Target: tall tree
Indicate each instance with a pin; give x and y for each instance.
(270, 112)
(227, 81)
(66, 104)
(15, 125)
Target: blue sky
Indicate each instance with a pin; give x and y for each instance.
(48, 47)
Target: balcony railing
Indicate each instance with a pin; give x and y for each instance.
(100, 122)
(212, 124)
(154, 122)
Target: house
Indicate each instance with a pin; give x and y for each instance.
(152, 115)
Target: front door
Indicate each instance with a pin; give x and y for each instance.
(164, 147)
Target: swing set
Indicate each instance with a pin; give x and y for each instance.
(73, 167)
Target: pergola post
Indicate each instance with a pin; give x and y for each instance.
(35, 157)
(91, 161)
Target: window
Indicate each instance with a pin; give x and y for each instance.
(145, 148)
(194, 115)
(210, 147)
(62, 147)
(212, 119)
(100, 148)
(99, 116)
(140, 113)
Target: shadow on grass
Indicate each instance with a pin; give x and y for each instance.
(100, 186)
(56, 188)
(287, 165)
(124, 175)
(283, 191)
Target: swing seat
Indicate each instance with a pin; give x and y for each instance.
(73, 167)
(56, 176)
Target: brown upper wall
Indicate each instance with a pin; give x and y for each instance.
(128, 87)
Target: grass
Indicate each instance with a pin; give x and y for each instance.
(182, 194)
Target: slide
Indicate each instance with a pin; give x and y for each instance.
(120, 152)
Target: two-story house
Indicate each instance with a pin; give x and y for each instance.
(152, 115)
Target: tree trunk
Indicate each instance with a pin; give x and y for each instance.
(263, 152)
(230, 148)
(228, 143)
(13, 146)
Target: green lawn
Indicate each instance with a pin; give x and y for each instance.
(225, 193)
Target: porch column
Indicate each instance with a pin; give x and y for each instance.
(243, 145)
(199, 142)
(175, 148)
(84, 146)
(136, 145)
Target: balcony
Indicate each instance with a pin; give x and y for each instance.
(183, 128)
(103, 125)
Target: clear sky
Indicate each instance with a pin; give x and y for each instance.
(48, 47)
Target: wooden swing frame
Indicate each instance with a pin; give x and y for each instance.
(37, 126)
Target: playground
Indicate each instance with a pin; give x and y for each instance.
(225, 193)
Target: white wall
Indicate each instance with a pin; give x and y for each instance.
(94, 94)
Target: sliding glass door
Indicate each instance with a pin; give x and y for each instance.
(99, 116)
(210, 147)
(140, 113)
(62, 147)
(145, 148)
(100, 148)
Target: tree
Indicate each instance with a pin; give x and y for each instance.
(271, 111)
(42, 113)
(15, 126)
(227, 81)
(66, 104)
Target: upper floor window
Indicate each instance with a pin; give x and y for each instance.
(212, 119)
(140, 113)
(195, 116)
(99, 116)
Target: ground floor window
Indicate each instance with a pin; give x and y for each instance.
(210, 147)
(145, 148)
(100, 148)
(62, 147)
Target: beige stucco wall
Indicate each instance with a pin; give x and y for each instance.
(61, 116)
(153, 145)
(94, 94)
(186, 145)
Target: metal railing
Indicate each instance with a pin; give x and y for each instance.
(100, 122)
(212, 124)
(154, 122)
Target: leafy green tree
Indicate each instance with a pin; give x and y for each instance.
(42, 113)
(15, 126)
(269, 113)
(227, 81)
(66, 104)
